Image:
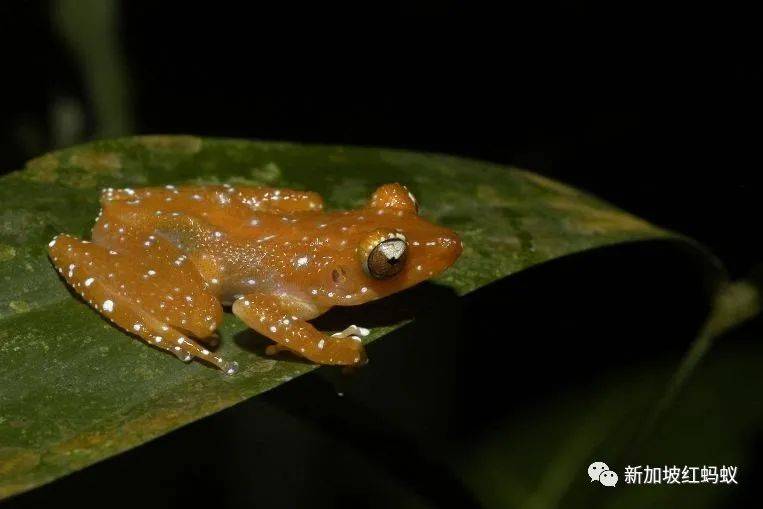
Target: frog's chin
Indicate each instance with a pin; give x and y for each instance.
(418, 274)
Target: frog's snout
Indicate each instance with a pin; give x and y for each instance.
(434, 256)
(451, 248)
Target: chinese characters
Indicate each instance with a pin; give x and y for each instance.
(680, 475)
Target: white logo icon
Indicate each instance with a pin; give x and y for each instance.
(608, 478)
(595, 469)
(599, 471)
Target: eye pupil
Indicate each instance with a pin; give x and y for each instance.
(387, 258)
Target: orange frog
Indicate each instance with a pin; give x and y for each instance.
(163, 262)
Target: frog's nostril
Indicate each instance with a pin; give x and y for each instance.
(444, 243)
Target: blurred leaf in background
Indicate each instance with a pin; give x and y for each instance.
(540, 460)
(90, 29)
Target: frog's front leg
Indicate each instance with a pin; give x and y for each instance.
(278, 319)
(143, 293)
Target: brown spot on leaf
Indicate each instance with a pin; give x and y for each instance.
(80, 442)
(183, 144)
(16, 460)
(7, 253)
(589, 220)
(42, 169)
(548, 184)
(97, 162)
(490, 196)
(19, 306)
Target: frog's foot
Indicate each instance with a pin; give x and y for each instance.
(124, 290)
(270, 316)
(352, 332)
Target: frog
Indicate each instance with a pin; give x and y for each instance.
(164, 262)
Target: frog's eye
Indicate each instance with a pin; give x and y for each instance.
(383, 254)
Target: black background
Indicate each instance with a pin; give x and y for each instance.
(656, 110)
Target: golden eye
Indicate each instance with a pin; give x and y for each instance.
(383, 254)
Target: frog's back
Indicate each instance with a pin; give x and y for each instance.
(210, 199)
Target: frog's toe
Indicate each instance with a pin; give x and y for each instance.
(275, 349)
(342, 351)
(352, 330)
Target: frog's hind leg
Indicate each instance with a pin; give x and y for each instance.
(133, 292)
(273, 318)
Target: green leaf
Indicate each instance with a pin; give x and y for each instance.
(76, 390)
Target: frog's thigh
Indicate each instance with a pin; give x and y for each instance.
(121, 289)
(163, 277)
(269, 316)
